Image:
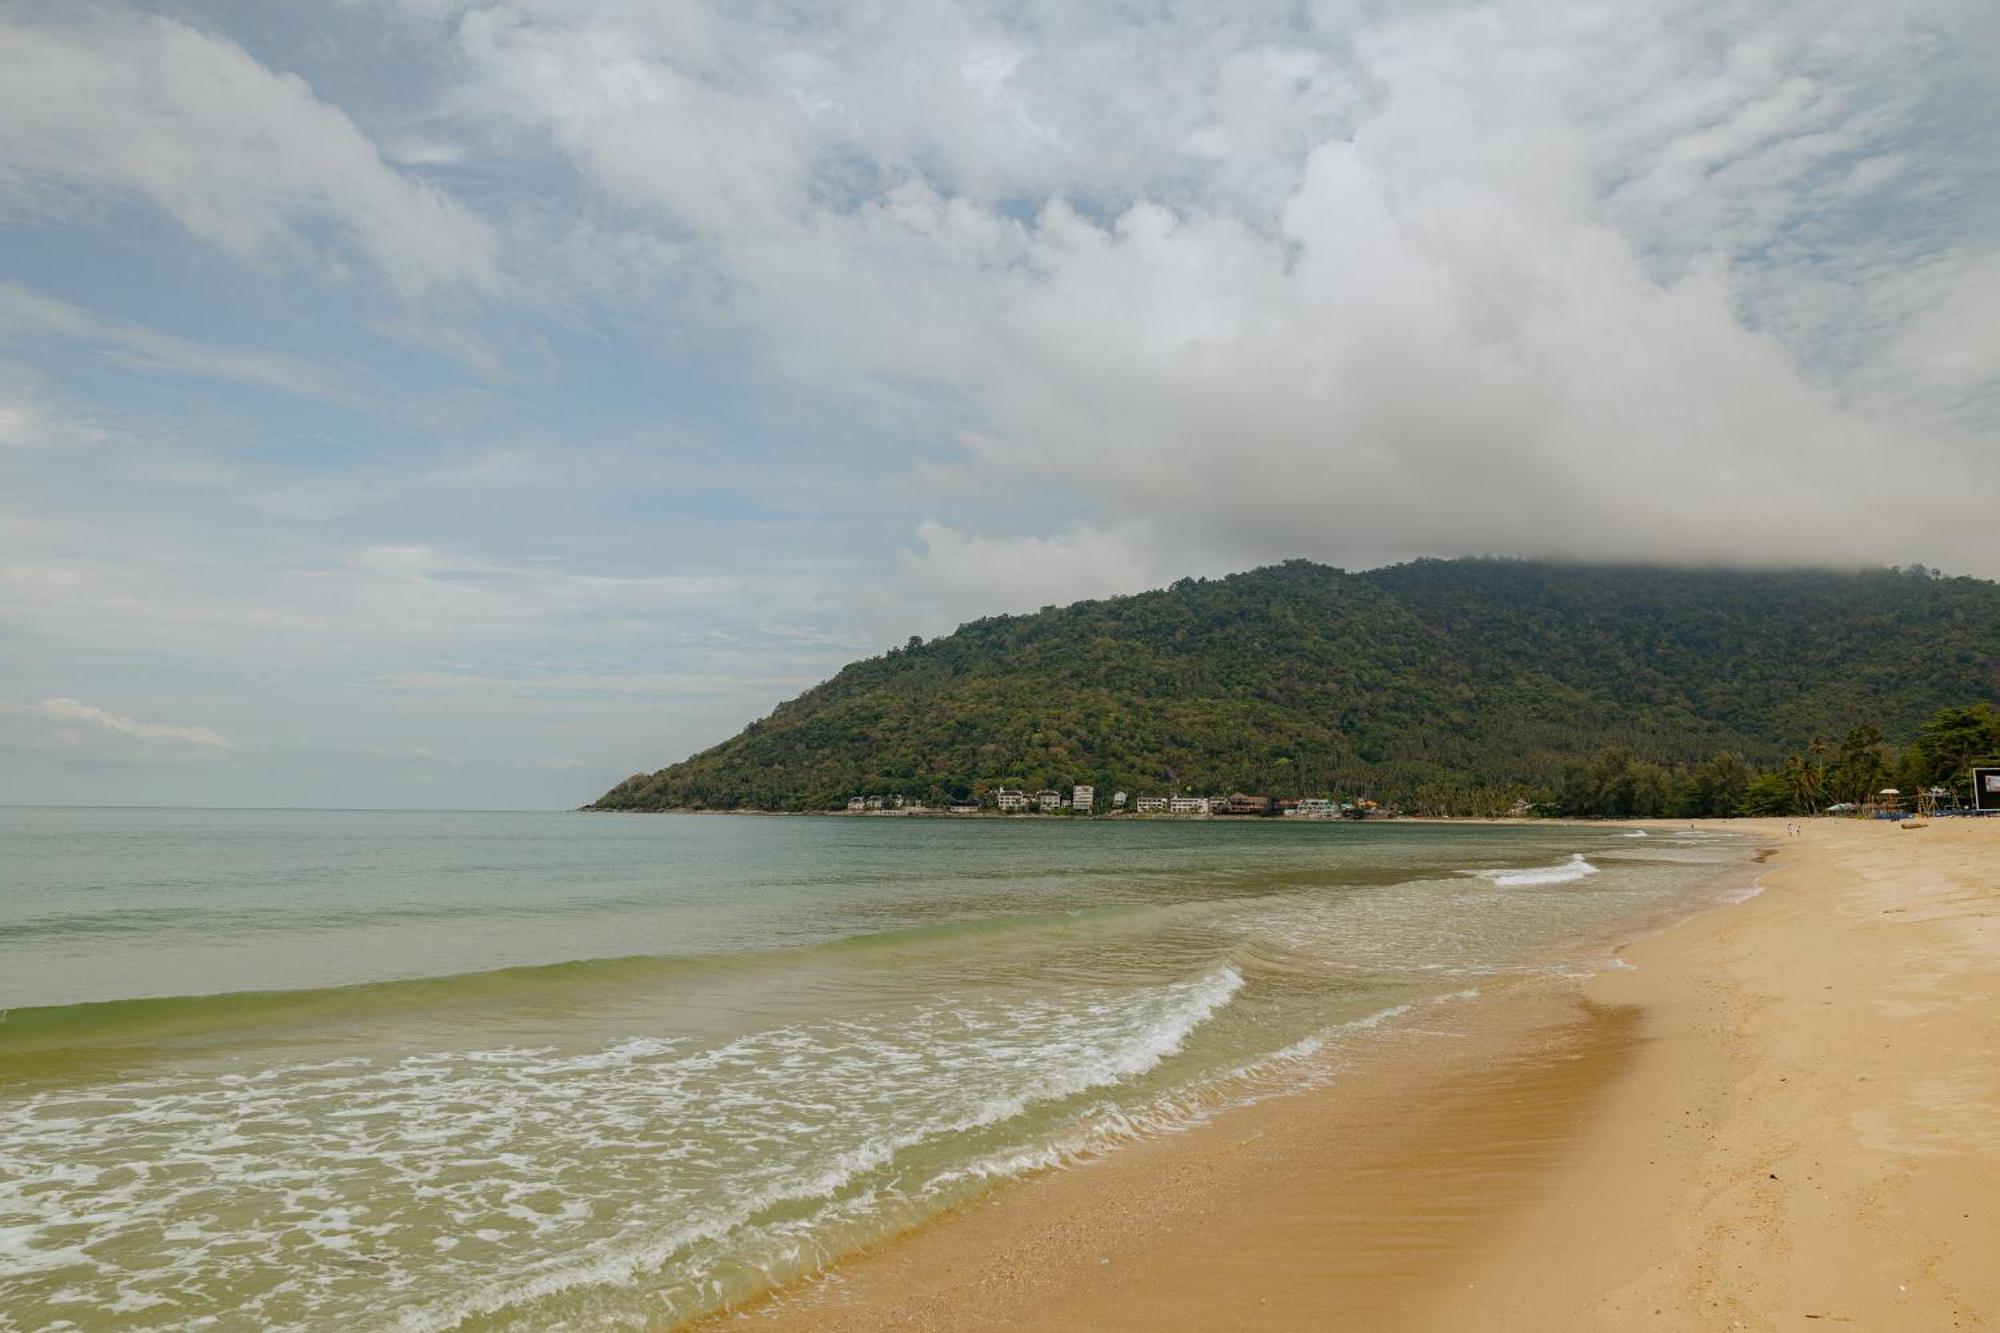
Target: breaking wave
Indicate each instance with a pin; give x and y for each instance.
(1568, 872)
(527, 1180)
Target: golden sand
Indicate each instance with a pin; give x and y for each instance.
(1788, 1116)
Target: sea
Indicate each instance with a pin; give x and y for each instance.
(274, 1069)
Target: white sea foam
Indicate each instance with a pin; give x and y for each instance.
(1742, 895)
(1296, 1067)
(498, 1179)
(20, 1252)
(1078, 1067)
(1567, 872)
(1292, 1068)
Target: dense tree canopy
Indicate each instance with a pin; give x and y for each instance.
(1613, 784)
(1446, 686)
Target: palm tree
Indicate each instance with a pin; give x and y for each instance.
(1807, 780)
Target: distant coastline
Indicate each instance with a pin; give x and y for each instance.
(1108, 816)
(1440, 687)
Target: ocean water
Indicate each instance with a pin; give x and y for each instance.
(371, 1070)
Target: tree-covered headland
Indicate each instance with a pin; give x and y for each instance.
(1439, 686)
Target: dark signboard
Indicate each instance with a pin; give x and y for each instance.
(1986, 789)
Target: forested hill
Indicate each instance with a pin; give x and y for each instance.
(1440, 683)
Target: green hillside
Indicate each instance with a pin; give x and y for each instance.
(1441, 684)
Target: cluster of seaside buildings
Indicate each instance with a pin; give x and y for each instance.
(1082, 799)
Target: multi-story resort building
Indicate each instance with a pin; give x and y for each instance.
(1050, 801)
(1083, 799)
(1152, 805)
(1011, 800)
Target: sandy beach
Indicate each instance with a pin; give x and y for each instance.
(1786, 1113)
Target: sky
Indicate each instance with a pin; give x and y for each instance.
(461, 404)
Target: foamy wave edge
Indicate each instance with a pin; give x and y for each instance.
(1567, 872)
(1202, 999)
(1290, 1069)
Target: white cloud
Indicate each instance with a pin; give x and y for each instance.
(1947, 347)
(418, 151)
(744, 689)
(27, 316)
(1512, 278)
(29, 421)
(974, 572)
(326, 607)
(245, 158)
(638, 97)
(68, 726)
(23, 423)
(18, 428)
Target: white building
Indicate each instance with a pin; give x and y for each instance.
(1314, 807)
(874, 802)
(1118, 800)
(1152, 805)
(1051, 801)
(1011, 800)
(1187, 805)
(856, 803)
(1083, 799)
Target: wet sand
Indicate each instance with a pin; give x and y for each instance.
(1788, 1115)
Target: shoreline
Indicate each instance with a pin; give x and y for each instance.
(1134, 817)
(1567, 1155)
(1814, 1134)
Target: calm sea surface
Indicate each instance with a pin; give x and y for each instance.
(355, 1070)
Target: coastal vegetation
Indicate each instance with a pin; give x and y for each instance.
(1617, 784)
(1442, 687)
